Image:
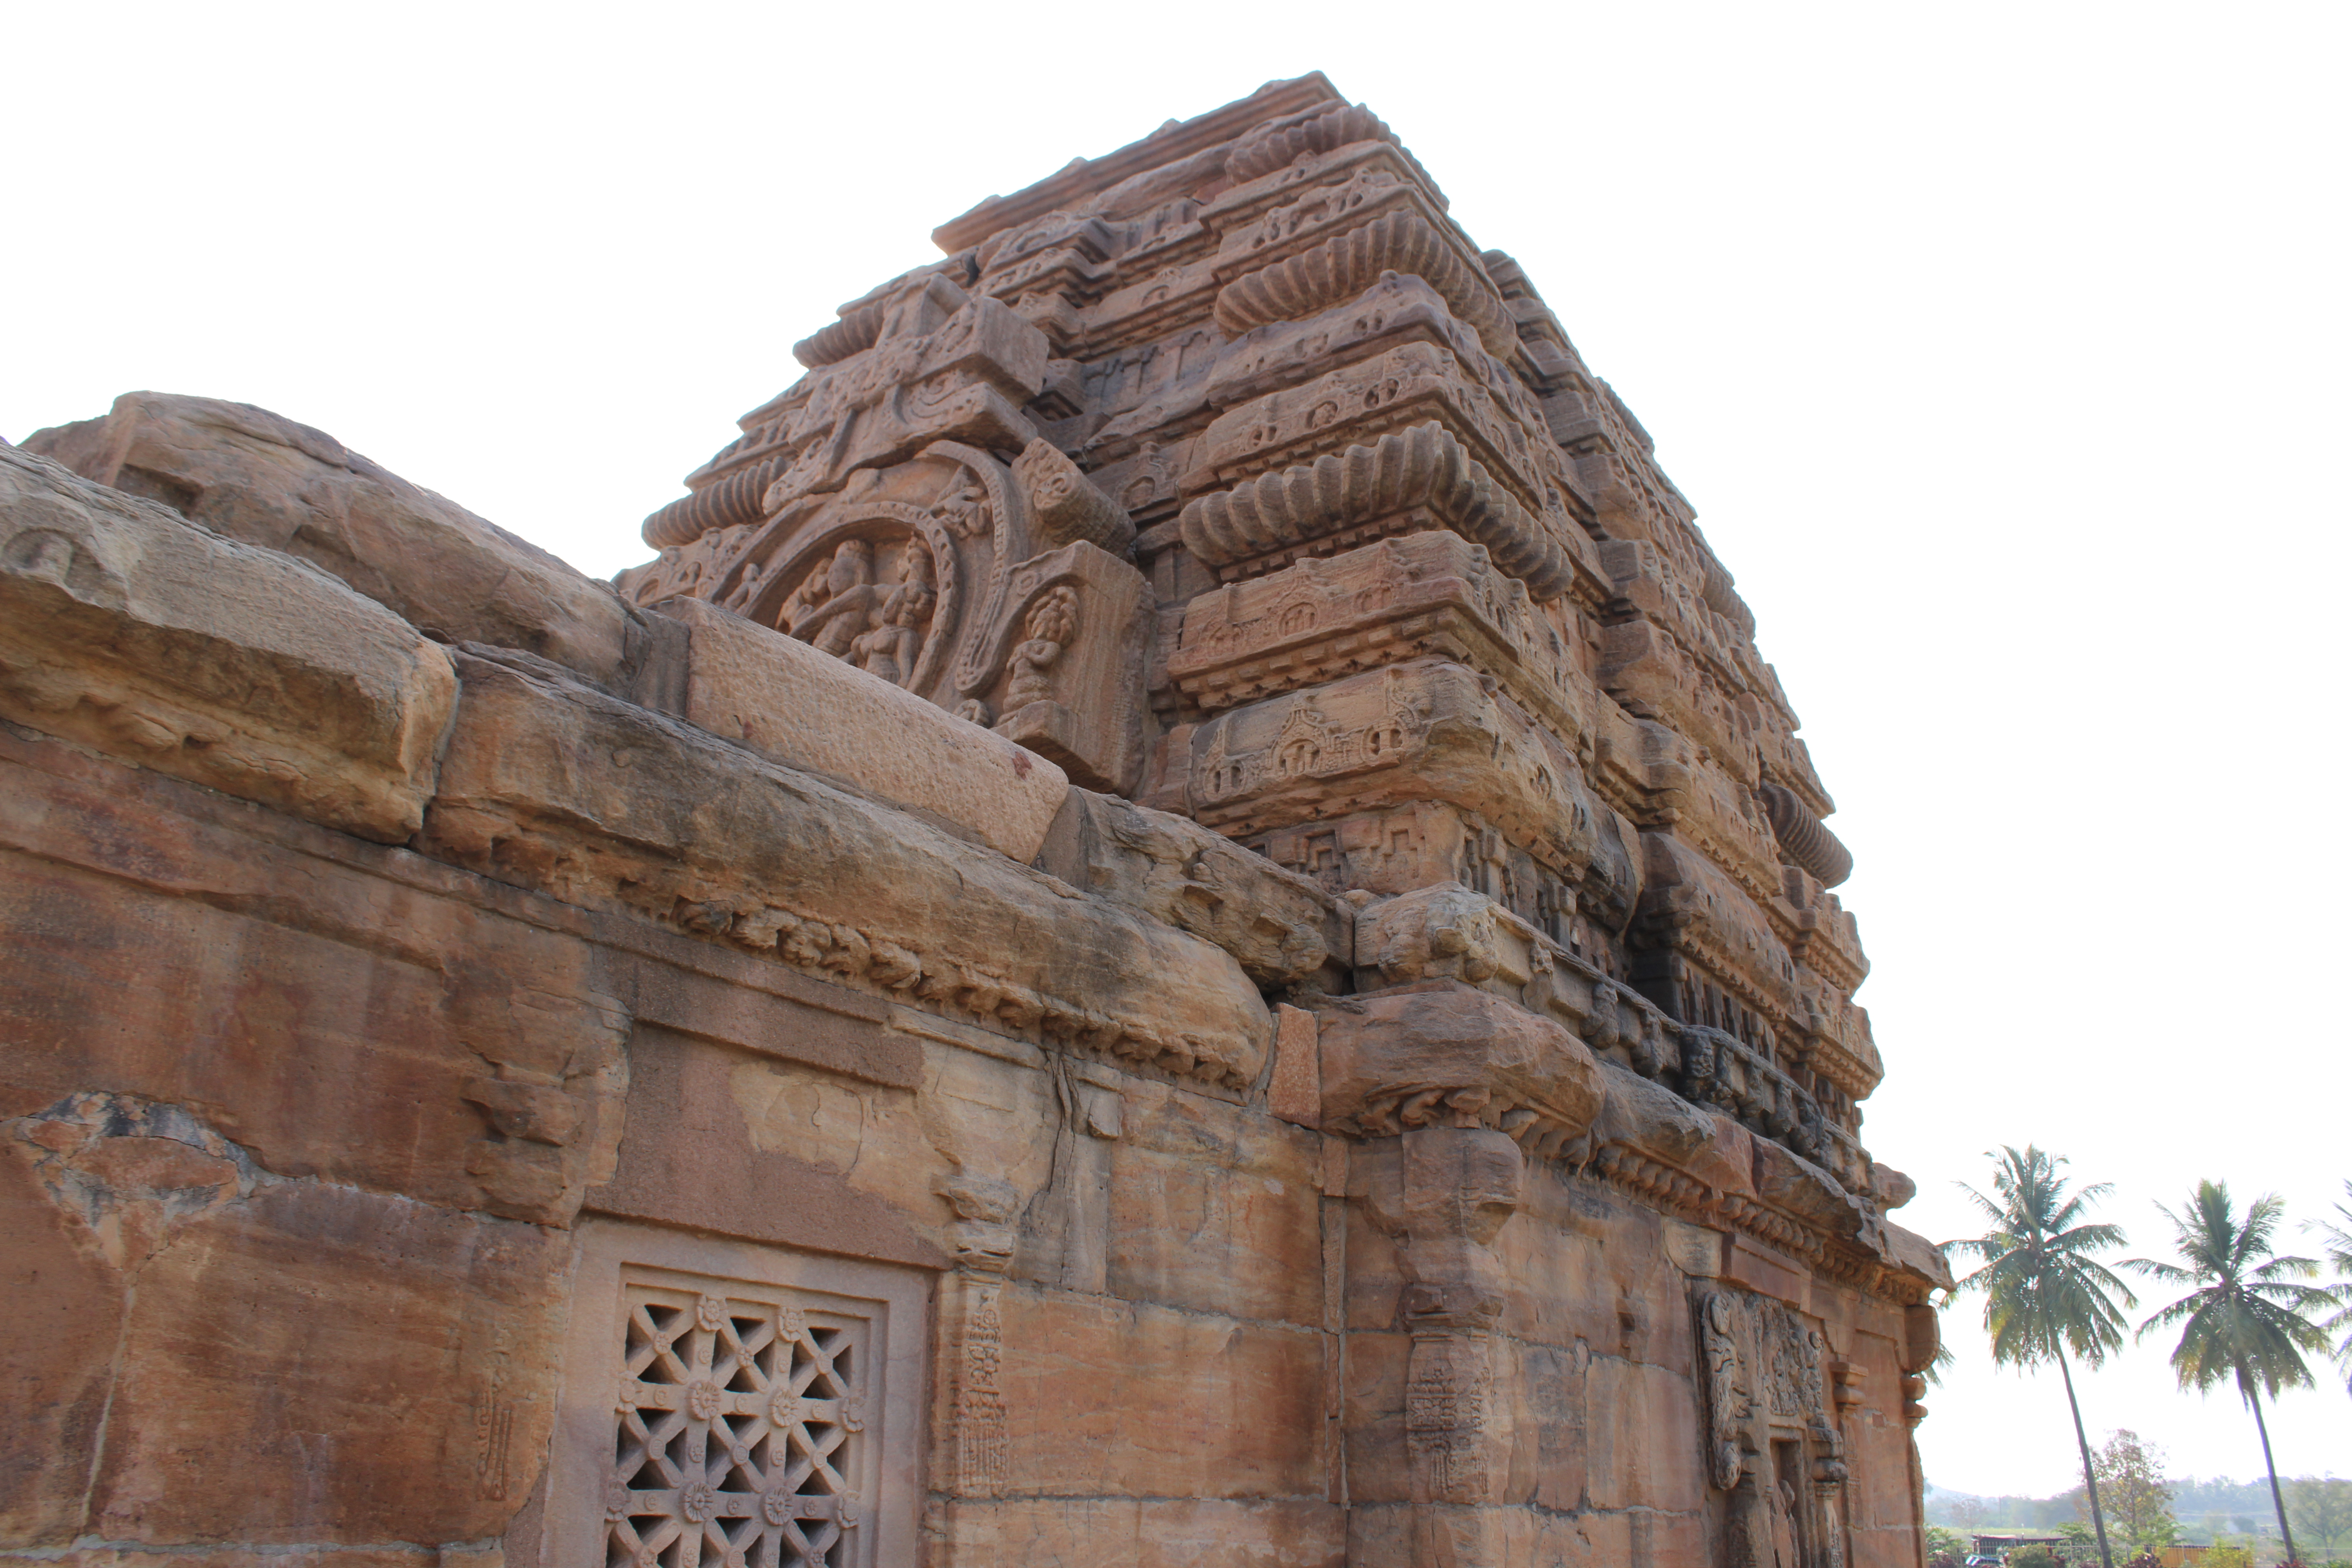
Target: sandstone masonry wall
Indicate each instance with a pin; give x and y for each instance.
(1177, 924)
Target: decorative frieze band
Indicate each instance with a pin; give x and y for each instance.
(1346, 264)
(1367, 493)
(1278, 144)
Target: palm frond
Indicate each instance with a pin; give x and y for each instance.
(2243, 1321)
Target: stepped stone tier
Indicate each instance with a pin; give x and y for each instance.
(1179, 924)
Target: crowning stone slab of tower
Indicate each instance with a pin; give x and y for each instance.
(1177, 924)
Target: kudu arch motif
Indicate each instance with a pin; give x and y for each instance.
(1181, 916)
(1229, 474)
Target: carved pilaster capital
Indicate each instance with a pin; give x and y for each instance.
(1444, 1053)
(982, 1236)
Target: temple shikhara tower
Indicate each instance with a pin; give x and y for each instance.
(1176, 923)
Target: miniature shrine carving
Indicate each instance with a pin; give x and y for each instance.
(1179, 919)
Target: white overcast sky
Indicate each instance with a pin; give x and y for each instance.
(2001, 348)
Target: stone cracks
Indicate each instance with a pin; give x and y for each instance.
(1213, 937)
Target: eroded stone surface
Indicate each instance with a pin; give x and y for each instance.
(123, 625)
(782, 698)
(1181, 924)
(567, 790)
(262, 478)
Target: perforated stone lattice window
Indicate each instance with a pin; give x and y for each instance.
(739, 1431)
(732, 1405)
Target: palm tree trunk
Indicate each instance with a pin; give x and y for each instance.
(2090, 1481)
(2278, 1503)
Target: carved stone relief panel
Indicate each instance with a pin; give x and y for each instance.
(1426, 730)
(938, 364)
(1405, 385)
(1771, 1441)
(1431, 595)
(995, 589)
(736, 1407)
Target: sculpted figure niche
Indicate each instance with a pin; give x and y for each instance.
(1403, 1111)
(895, 510)
(1229, 474)
(1772, 1440)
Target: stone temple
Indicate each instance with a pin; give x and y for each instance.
(1177, 924)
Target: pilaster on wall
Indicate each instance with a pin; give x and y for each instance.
(1192, 791)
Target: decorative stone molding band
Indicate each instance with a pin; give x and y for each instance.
(1803, 839)
(731, 500)
(1421, 466)
(1346, 265)
(1450, 932)
(853, 333)
(1278, 144)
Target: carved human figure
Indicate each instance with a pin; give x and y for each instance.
(1727, 1402)
(1053, 622)
(964, 509)
(892, 647)
(744, 590)
(812, 592)
(848, 604)
(1784, 1527)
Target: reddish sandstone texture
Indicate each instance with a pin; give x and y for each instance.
(1179, 924)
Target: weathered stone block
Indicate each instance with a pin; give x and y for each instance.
(1442, 1054)
(1295, 1093)
(1378, 1363)
(1281, 928)
(333, 1023)
(1422, 844)
(1155, 1533)
(58, 1357)
(1652, 1121)
(1424, 731)
(566, 790)
(1406, 1535)
(1693, 912)
(772, 1153)
(419, 1356)
(1432, 594)
(1641, 1433)
(788, 702)
(1121, 1398)
(1586, 1262)
(1646, 671)
(124, 626)
(1214, 1211)
(263, 479)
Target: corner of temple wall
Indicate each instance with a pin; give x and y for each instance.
(1178, 921)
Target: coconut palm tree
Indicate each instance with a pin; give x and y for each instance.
(2337, 1239)
(2045, 1294)
(2244, 1320)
